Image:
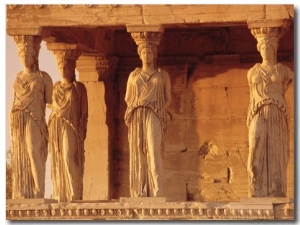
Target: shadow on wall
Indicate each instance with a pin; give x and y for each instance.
(206, 149)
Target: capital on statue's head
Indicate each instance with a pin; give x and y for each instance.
(146, 33)
(147, 37)
(268, 32)
(28, 39)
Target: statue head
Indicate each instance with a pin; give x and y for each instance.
(147, 39)
(66, 62)
(268, 35)
(273, 42)
(269, 41)
(151, 46)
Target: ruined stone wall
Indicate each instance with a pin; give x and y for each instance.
(206, 147)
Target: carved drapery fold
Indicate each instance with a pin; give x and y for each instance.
(32, 91)
(267, 118)
(67, 126)
(148, 94)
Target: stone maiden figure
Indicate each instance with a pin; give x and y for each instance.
(267, 123)
(67, 130)
(32, 91)
(148, 94)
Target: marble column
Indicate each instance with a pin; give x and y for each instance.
(267, 119)
(96, 72)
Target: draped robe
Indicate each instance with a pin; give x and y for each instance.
(268, 131)
(29, 134)
(146, 121)
(67, 130)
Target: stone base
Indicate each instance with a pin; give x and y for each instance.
(143, 200)
(93, 201)
(273, 200)
(150, 209)
(30, 201)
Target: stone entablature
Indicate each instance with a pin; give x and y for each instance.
(28, 16)
(149, 209)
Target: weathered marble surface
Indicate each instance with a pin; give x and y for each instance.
(208, 73)
(29, 133)
(112, 15)
(267, 119)
(148, 94)
(120, 210)
(67, 129)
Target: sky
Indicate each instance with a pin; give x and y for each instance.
(12, 65)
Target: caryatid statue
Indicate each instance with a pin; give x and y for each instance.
(148, 94)
(32, 91)
(67, 129)
(267, 119)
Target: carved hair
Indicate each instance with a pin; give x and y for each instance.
(67, 56)
(273, 42)
(153, 47)
(29, 43)
(69, 62)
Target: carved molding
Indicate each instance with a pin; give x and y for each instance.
(166, 211)
(106, 67)
(37, 31)
(276, 32)
(12, 6)
(146, 33)
(69, 54)
(97, 68)
(64, 6)
(31, 40)
(39, 6)
(284, 211)
(137, 28)
(265, 23)
(64, 51)
(272, 30)
(146, 37)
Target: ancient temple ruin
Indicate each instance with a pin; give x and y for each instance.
(207, 51)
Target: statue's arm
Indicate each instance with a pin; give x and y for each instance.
(288, 78)
(84, 109)
(48, 88)
(249, 75)
(129, 92)
(167, 89)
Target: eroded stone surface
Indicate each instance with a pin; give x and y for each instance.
(67, 127)
(267, 116)
(148, 95)
(29, 133)
(207, 51)
(152, 211)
